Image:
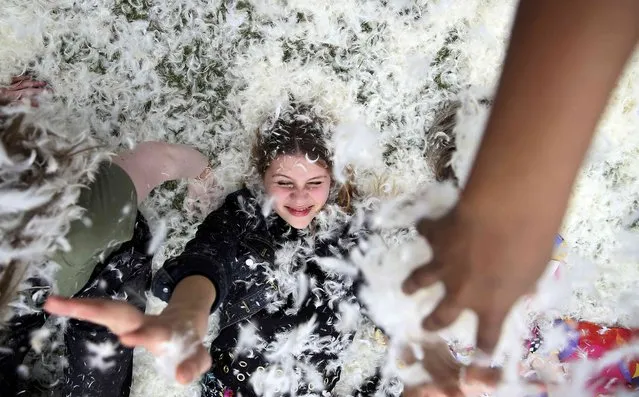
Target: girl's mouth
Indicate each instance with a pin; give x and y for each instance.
(299, 212)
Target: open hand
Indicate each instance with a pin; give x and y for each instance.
(450, 378)
(485, 267)
(134, 328)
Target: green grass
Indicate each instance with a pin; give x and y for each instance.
(138, 11)
(443, 55)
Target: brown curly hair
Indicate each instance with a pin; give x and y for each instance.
(440, 141)
(298, 132)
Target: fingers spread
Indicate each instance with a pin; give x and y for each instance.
(119, 317)
(444, 315)
(27, 84)
(30, 92)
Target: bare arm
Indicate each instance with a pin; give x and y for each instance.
(194, 295)
(187, 311)
(562, 64)
(563, 61)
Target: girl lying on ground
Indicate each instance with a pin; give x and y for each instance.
(111, 228)
(262, 271)
(283, 315)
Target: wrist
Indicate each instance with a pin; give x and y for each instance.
(192, 300)
(513, 215)
(504, 236)
(187, 316)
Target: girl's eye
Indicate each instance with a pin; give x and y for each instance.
(284, 184)
(315, 184)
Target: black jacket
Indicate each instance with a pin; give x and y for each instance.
(226, 247)
(231, 248)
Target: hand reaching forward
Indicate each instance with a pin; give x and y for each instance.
(134, 328)
(485, 267)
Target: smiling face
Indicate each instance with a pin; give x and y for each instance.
(298, 187)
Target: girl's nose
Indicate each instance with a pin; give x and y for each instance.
(299, 194)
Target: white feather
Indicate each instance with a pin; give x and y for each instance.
(159, 74)
(100, 355)
(13, 201)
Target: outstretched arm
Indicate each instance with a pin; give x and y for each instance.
(185, 315)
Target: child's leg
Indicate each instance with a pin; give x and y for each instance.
(150, 164)
(111, 202)
(110, 206)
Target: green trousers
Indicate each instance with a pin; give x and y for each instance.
(110, 202)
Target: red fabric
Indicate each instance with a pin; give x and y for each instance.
(593, 341)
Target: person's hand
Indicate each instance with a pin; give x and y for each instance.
(450, 377)
(134, 328)
(485, 266)
(478, 381)
(23, 87)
